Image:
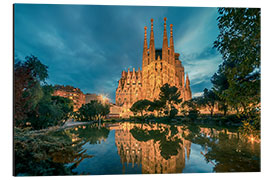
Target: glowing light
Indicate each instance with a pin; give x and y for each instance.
(104, 98)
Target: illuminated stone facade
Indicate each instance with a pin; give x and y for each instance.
(75, 94)
(159, 66)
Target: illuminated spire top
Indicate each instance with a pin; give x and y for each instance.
(165, 43)
(152, 43)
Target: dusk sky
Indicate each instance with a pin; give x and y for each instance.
(88, 46)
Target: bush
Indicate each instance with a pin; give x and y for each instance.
(94, 110)
(193, 114)
(173, 113)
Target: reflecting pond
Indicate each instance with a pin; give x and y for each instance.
(143, 148)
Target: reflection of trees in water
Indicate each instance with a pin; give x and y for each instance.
(72, 152)
(169, 143)
(46, 153)
(228, 151)
(92, 133)
(157, 147)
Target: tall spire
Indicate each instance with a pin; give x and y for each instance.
(165, 43)
(172, 58)
(152, 43)
(187, 81)
(145, 56)
(188, 94)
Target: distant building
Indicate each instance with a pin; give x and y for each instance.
(159, 66)
(115, 111)
(101, 98)
(75, 94)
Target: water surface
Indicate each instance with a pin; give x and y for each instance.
(142, 148)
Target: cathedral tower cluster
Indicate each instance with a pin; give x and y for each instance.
(159, 66)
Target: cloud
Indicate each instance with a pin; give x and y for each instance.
(88, 46)
(198, 94)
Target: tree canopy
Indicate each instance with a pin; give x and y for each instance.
(94, 110)
(238, 77)
(140, 106)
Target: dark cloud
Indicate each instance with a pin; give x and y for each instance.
(89, 46)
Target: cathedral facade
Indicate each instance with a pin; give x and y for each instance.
(159, 66)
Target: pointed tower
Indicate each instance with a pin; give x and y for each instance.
(139, 76)
(152, 52)
(187, 81)
(172, 58)
(145, 47)
(133, 76)
(128, 77)
(165, 43)
(187, 89)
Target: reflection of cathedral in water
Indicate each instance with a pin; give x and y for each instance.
(148, 153)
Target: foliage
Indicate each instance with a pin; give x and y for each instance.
(34, 104)
(191, 108)
(173, 112)
(169, 96)
(209, 100)
(239, 44)
(157, 106)
(140, 106)
(27, 90)
(191, 104)
(94, 110)
(42, 153)
(50, 111)
(220, 84)
(193, 114)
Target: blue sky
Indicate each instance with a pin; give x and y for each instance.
(88, 46)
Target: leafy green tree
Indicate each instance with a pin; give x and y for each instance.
(34, 104)
(157, 106)
(50, 110)
(208, 100)
(220, 84)
(140, 106)
(94, 110)
(239, 44)
(27, 90)
(190, 108)
(169, 96)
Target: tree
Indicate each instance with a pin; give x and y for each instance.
(208, 100)
(157, 106)
(27, 90)
(50, 110)
(220, 84)
(169, 96)
(140, 106)
(239, 45)
(94, 110)
(34, 104)
(190, 108)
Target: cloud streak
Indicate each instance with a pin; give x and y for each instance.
(88, 46)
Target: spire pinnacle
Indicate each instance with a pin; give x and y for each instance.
(145, 37)
(187, 81)
(152, 43)
(145, 56)
(165, 43)
(171, 46)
